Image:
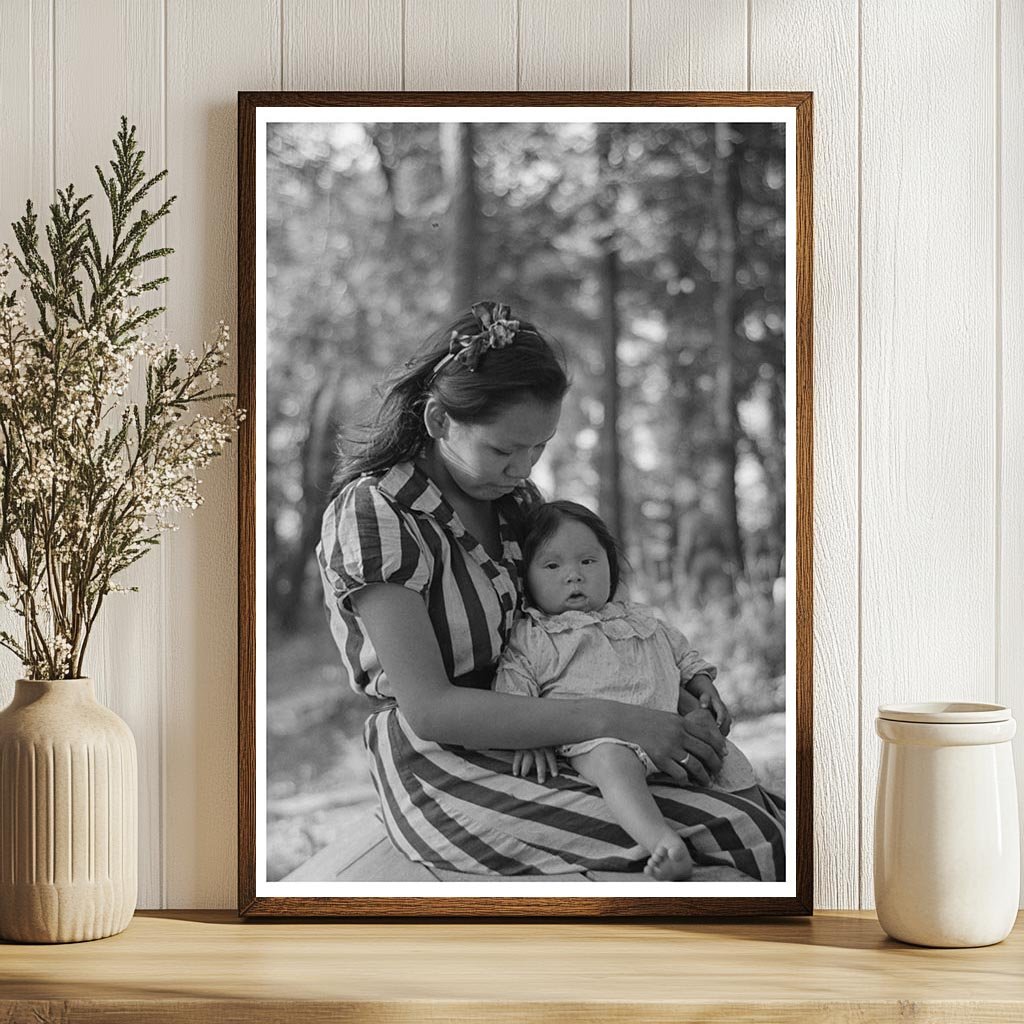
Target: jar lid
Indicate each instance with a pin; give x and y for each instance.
(945, 712)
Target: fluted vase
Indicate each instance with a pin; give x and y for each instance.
(68, 815)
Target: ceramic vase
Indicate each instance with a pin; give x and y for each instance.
(68, 815)
(947, 847)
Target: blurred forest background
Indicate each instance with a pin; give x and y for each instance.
(655, 255)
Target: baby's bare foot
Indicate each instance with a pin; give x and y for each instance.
(670, 860)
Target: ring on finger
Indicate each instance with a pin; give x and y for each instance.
(683, 761)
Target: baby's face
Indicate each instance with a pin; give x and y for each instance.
(569, 571)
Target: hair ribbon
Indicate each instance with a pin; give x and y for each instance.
(497, 331)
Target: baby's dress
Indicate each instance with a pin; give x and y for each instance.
(620, 652)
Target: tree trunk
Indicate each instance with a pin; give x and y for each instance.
(383, 140)
(610, 454)
(317, 456)
(457, 145)
(771, 453)
(684, 311)
(726, 200)
(679, 445)
(610, 446)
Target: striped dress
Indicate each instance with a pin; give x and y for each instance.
(463, 810)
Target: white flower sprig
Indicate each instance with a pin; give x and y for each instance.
(89, 479)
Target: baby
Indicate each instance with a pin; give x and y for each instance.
(575, 641)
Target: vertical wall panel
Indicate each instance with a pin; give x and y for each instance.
(26, 100)
(466, 45)
(689, 44)
(928, 363)
(213, 51)
(342, 44)
(574, 44)
(17, 59)
(122, 656)
(26, 171)
(1011, 208)
(781, 59)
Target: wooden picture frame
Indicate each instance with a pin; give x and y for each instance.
(259, 897)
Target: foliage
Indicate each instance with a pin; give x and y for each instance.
(746, 640)
(88, 478)
(359, 224)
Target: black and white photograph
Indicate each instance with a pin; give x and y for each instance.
(525, 502)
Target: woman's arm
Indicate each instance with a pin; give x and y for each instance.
(397, 624)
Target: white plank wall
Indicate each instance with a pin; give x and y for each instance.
(573, 44)
(471, 44)
(26, 156)
(213, 51)
(1009, 231)
(342, 44)
(699, 45)
(919, 352)
(126, 664)
(928, 515)
(831, 73)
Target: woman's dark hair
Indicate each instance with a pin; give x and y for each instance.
(529, 367)
(542, 521)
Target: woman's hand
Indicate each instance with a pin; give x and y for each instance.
(702, 725)
(687, 747)
(543, 759)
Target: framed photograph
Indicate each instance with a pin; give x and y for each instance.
(525, 497)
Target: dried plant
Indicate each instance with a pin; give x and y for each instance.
(89, 478)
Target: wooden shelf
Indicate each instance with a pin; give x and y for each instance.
(200, 966)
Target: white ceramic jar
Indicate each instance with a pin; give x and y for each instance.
(947, 847)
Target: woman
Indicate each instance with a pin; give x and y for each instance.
(421, 567)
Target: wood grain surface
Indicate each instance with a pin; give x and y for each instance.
(207, 966)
